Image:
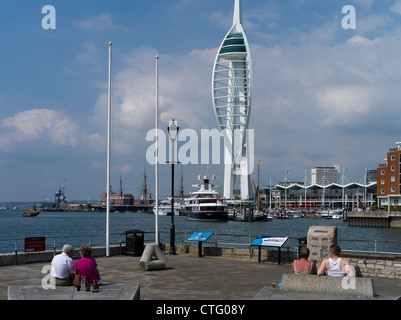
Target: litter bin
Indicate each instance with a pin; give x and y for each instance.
(302, 242)
(135, 240)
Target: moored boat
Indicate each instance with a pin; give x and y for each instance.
(205, 204)
(164, 208)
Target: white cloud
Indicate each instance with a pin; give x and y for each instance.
(184, 94)
(98, 23)
(359, 40)
(396, 7)
(124, 168)
(343, 105)
(35, 124)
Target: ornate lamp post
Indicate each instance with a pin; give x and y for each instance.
(173, 132)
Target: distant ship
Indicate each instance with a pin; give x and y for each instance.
(205, 204)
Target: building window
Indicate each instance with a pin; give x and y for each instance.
(382, 191)
(393, 157)
(382, 172)
(392, 178)
(392, 189)
(382, 181)
(392, 168)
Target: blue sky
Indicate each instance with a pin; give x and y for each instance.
(322, 95)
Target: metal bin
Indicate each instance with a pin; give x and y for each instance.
(135, 241)
(302, 242)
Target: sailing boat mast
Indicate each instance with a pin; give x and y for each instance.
(144, 189)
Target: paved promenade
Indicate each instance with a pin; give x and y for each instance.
(185, 278)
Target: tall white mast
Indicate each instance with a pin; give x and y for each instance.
(108, 160)
(157, 154)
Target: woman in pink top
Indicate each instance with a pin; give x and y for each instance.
(87, 265)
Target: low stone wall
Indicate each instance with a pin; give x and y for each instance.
(366, 263)
(47, 256)
(375, 264)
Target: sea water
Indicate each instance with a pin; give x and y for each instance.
(91, 229)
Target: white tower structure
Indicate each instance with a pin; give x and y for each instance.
(231, 88)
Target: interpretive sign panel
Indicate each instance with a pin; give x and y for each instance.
(267, 241)
(200, 236)
(35, 244)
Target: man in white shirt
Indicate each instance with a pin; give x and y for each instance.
(63, 267)
(335, 266)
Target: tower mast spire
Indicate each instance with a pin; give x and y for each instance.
(237, 13)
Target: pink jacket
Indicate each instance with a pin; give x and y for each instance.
(88, 269)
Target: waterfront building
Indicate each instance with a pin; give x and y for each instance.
(352, 196)
(325, 175)
(389, 179)
(118, 199)
(231, 90)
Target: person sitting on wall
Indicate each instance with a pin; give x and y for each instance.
(62, 266)
(303, 265)
(87, 265)
(335, 266)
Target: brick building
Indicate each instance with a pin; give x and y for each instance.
(388, 178)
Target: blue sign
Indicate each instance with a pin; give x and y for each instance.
(269, 241)
(200, 236)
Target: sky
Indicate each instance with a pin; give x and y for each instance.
(322, 94)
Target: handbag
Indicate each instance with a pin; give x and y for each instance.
(76, 282)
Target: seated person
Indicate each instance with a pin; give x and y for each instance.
(335, 266)
(62, 267)
(303, 265)
(87, 265)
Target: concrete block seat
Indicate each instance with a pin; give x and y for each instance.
(152, 258)
(344, 286)
(300, 286)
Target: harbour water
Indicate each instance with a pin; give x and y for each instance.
(64, 225)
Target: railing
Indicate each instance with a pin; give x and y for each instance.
(53, 243)
(221, 240)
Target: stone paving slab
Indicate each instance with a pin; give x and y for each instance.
(119, 291)
(185, 278)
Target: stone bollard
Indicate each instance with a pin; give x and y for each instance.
(152, 258)
(319, 240)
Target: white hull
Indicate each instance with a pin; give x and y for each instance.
(166, 211)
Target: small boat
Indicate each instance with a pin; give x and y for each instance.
(338, 215)
(164, 208)
(31, 212)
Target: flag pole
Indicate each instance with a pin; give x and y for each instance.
(108, 159)
(157, 155)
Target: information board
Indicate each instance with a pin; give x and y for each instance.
(35, 244)
(268, 241)
(200, 236)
